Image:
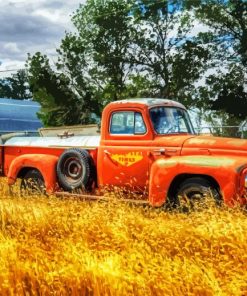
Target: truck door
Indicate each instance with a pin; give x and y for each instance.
(124, 158)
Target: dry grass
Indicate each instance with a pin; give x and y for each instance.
(50, 246)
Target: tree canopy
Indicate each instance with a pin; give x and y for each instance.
(15, 86)
(130, 48)
(227, 21)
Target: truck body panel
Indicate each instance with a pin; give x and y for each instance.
(224, 170)
(1, 159)
(137, 154)
(45, 164)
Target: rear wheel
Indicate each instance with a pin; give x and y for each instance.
(195, 194)
(32, 183)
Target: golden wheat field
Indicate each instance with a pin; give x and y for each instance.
(51, 246)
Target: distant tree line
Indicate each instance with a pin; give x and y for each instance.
(191, 51)
(15, 86)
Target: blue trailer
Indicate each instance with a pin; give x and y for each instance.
(19, 115)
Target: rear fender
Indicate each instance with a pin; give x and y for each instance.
(225, 171)
(46, 164)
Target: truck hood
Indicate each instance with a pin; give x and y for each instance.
(215, 145)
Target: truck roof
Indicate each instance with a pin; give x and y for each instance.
(150, 102)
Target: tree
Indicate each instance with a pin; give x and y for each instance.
(90, 69)
(164, 50)
(120, 49)
(16, 86)
(60, 103)
(125, 42)
(227, 21)
(104, 35)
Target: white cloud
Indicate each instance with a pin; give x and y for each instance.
(28, 26)
(12, 65)
(11, 47)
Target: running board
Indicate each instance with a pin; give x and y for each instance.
(101, 198)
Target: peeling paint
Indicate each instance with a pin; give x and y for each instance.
(208, 161)
(196, 161)
(237, 143)
(168, 163)
(202, 141)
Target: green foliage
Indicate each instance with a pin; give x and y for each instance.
(228, 23)
(104, 28)
(163, 50)
(130, 48)
(59, 101)
(16, 86)
(120, 49)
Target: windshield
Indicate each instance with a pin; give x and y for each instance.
(170, 120)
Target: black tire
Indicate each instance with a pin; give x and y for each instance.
(195, 194)
(32, 183)
(75, 170)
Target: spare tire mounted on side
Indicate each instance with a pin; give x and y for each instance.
(75, 169)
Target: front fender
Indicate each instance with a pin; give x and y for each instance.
(225, 171)
(46, 164)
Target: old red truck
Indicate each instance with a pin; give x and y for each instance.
(146, 146)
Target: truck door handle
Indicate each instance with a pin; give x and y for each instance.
(160, 151)
(107, 152)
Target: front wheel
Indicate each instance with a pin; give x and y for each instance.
(195, 194)
(32, 183)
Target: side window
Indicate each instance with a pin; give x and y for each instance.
(140, 127)
(127, 122)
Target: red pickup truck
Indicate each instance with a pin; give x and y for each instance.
(146, 146)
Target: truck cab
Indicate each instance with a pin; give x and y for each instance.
(134, 134)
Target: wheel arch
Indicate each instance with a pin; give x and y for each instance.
(45, 164)
(24, 170)
(182, 177)
(222, 172)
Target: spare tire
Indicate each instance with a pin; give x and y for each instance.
(75, 169)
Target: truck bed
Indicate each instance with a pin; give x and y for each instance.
(74, 141)
(76, 130)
